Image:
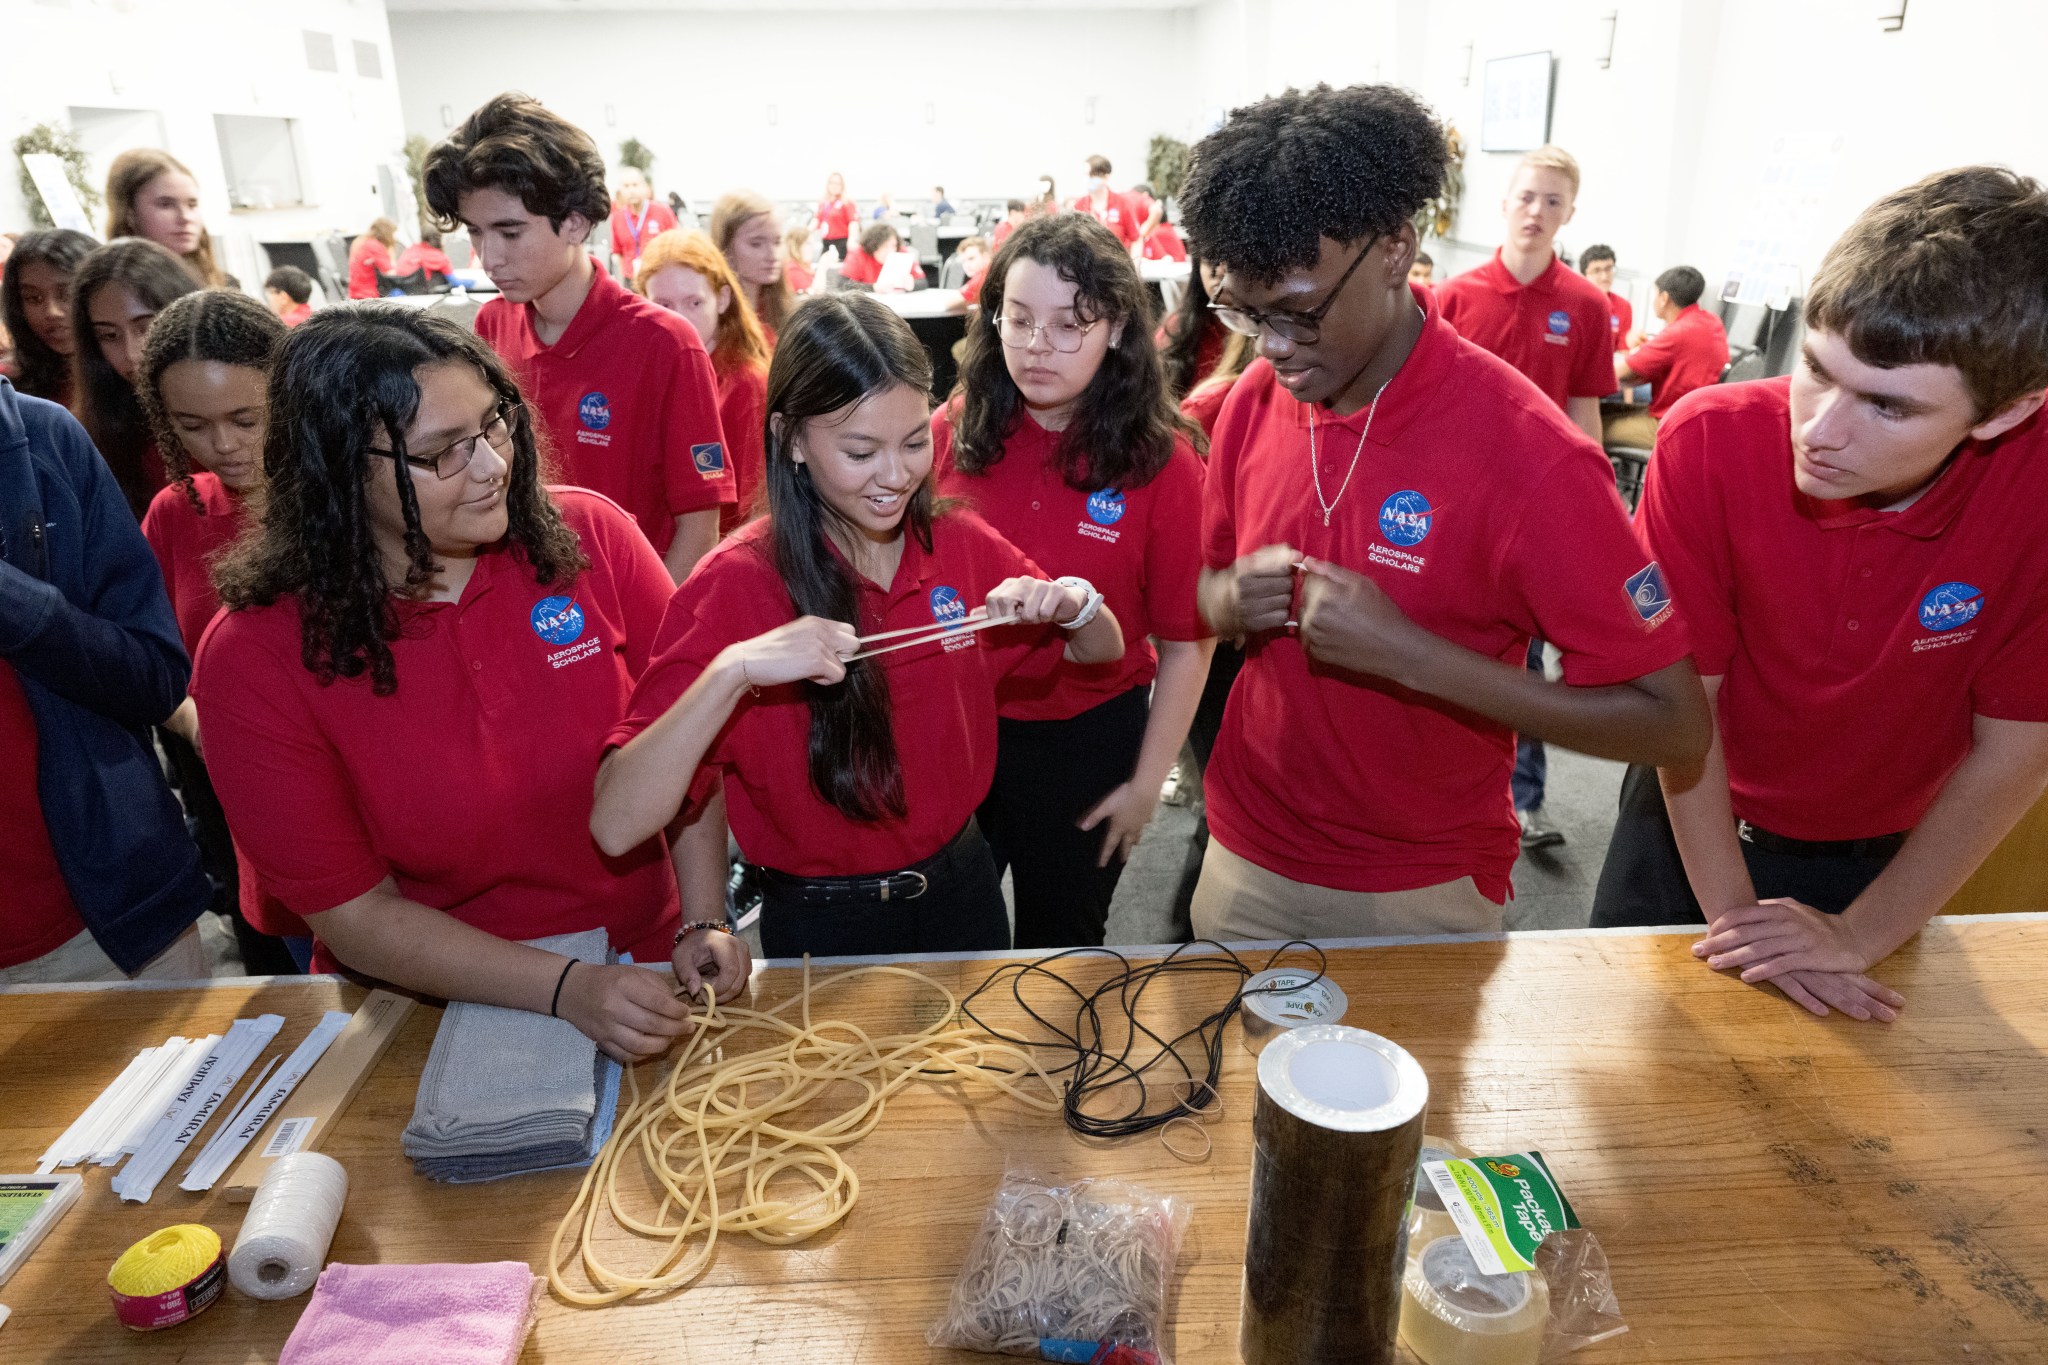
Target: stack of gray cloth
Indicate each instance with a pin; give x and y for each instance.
(506, 1092)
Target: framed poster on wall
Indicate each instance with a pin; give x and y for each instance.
(1517, 111)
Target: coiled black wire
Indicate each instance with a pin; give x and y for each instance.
(1099, 1067)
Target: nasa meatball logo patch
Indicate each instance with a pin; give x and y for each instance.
(1560, 324)
(560, 621)
(949, 610)
(594, 411)
(1647, 594)
(1943, 613)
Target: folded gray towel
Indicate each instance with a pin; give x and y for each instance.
(507, 1090)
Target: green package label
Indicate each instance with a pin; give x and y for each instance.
(1504, 1207)
(20, 1202)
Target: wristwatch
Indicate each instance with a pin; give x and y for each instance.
(1089, 608)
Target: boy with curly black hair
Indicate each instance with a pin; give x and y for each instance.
(1391, 513)
(624, 390)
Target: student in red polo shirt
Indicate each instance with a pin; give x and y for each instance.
(1689, 353)
(878, 242)
(687, 274)
(1114, 211)
(203, 382)
(1554, 326)
(419, 657)
(1423, 271)
(288, 291)
(623, 389)
(851, 783)
(836, 215)
(637, 218)
(1065, 440)
(1857, 550)
(1596, 263)
(1360, 784)
(1015, 215)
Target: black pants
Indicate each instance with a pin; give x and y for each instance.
(1049, 774)
(262, 955)
(1643, 881)
(1224, 666)
(833, 243)
(960, 911)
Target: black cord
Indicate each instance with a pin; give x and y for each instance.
(1096, 1071)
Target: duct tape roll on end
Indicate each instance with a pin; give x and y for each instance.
(167, 1277)
(1283, 998)
(290, 1223)
(1452, 1314)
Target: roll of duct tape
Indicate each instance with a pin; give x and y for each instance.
(1283, 998)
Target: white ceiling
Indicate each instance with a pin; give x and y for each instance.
(820, 6)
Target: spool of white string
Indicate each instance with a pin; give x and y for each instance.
(291, 1219)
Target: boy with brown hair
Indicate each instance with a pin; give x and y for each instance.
(624, 390)
(1857, 550)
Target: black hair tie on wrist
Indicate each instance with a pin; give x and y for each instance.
(557, 1000)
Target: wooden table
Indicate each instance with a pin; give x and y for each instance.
(1768, 1186)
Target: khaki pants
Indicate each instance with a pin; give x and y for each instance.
(81, 959)
(1635, 428)
(1238, 900)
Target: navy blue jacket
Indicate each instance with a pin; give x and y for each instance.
(88, 629)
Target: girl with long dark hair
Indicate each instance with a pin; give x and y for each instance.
(1064, 438)
(419, 654)
(35, 305)
(115, 295)
(1191, 340)
(203, 384)
(852, 782)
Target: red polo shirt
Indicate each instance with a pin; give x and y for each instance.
(628, 400)
(470, 784)
(295, 314)
(1133, 544)
(837, 215)
(1853, 645)
(1163, 243)
(1688, 354)
(1557, 330)
(366, 256)
(860, 266)
(186, 544)
(631, 232)
(36, 913)
(942, 699)
(420, 256)
(743, 416)
(1621, 315)
(1205, 404)
(1488, 518)
(1119, 215)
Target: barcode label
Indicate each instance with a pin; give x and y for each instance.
(291, 1135)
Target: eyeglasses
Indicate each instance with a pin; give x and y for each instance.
(1061, 336)
(456, 456)
(1300, 328)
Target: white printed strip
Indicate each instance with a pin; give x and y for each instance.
(196, 1102)
(261, 1103)
(178, 1064)
(291, 1135)
(227, 1125)
(76, 1142)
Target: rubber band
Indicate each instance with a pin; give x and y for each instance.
(1205, 1112)
(718, 1141)
(1192, 1158)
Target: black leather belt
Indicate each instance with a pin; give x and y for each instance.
(906, 885)
(1880, 846)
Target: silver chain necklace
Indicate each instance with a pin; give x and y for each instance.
(1315, 463)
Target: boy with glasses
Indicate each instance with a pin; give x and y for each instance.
(1391, 513)
(1857, 547)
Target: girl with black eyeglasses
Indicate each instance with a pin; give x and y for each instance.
(420, 656)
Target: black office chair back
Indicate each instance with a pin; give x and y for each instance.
(416, 282)
(1744, 363)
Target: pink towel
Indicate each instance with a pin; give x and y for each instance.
(404, 1314)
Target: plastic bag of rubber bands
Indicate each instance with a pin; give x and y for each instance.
(1067, 1272)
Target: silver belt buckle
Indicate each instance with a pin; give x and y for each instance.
(924, 884)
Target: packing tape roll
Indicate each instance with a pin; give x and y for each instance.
(1452, 1314)
(291, 1220)
(167, 1277)
(1283, 998)
(1428, 1219)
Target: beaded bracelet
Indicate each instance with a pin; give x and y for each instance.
(692, 926)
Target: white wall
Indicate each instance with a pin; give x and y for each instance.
(1007, 92)
(177, 63)
(1701, 99)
